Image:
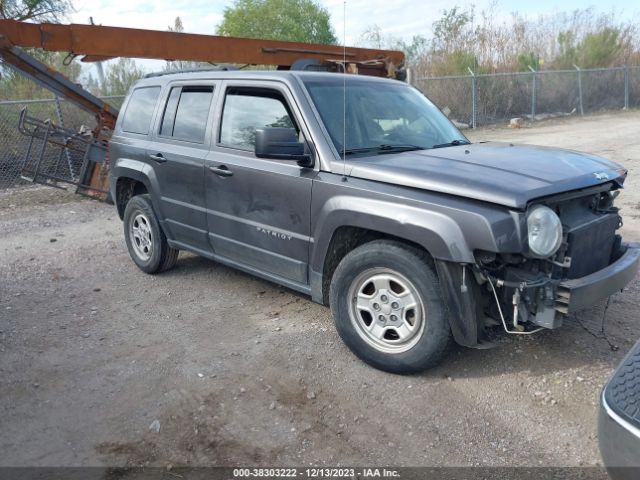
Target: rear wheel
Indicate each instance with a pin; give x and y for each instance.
(146, 242)
(386, 303)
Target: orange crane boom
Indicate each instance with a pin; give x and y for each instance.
(96, 43)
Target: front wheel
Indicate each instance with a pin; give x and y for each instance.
(146, 242)
(386, 303)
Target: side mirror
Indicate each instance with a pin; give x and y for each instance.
(281, 144)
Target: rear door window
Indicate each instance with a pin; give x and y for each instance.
(137, 117)
(186, 113)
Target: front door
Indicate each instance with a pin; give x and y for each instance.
(258, 210)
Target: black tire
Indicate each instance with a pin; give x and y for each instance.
(414, 268)
(160, 256)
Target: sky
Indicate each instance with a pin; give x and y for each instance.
(397, 18)
(400, 18)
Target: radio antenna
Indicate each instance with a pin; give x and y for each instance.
(344, 91)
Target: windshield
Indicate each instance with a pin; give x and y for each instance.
(381, 117)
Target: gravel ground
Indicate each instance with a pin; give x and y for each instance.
(101, 364)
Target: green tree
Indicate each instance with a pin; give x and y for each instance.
(93, 85)
(15, 86)
(599, 49)
(451, 29)
(454, 48)
(529, 59)
(567, 51)
(461, 61)
(41, 10)
(120, 76)
(292, 20)
(12, 84)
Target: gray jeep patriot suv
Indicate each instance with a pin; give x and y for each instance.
(359, 192)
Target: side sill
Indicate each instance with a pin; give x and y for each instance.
(299, 287)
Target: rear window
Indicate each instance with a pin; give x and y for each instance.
(186, 113)
(137, 117)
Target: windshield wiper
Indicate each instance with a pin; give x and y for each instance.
(452, 143)
(385, 148)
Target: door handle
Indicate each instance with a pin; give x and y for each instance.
(158, 157)
(222, 171)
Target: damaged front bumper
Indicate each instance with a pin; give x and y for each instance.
(522, 300)
(580, 293)
(545, 301)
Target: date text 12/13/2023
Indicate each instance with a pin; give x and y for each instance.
(315, 473)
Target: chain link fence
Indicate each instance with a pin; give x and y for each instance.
(14, 145)
(487, 99)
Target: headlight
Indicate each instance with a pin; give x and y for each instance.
(545, 231)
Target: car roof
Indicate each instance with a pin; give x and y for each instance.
(281, 75)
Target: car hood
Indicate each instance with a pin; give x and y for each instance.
(500, 173)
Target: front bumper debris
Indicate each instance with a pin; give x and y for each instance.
(580, 293)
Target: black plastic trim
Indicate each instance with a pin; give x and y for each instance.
(588, 290)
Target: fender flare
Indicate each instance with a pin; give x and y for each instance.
(437, 233)
(135, 170)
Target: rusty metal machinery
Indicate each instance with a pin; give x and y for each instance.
(98, 43)
(42, 165)
(78, 158)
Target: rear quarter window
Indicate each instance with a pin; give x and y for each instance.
(137, 116)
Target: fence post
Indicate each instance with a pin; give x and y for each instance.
(579, 70)
(534, 78)
(474, 88)
(626, 87)
(67, 153)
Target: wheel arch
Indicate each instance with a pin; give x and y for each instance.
(343, 240)
(127, 188)
(346, 222)
(462, 307)
(129, 178)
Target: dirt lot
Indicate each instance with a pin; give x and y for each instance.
(236, 370)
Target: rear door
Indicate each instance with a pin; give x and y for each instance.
(181, 139)
(258, 210)
(128, 147)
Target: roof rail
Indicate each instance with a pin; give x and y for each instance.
(215, 68)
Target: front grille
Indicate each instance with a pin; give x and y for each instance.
(591, 245)
(623, 390)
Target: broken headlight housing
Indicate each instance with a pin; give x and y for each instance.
(544, 231)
